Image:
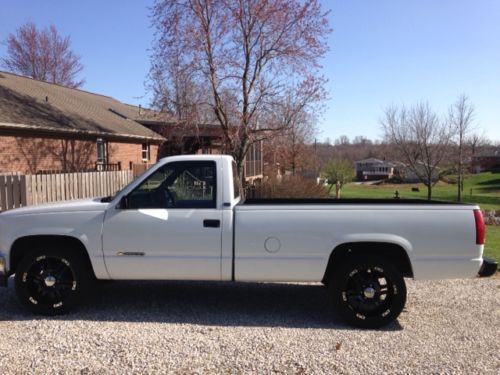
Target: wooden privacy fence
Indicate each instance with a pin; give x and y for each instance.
(20, 190)
(12, 191)
(139, 168)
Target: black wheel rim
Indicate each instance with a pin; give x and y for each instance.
(369, 292)
(49, 281)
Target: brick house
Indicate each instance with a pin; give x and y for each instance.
(47, 127)
(488, 160)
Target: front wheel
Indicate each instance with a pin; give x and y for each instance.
(51, 281)
(368, 292)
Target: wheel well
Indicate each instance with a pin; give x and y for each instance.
(24, 245)
(389, 251)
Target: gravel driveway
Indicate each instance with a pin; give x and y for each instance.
(158, 327)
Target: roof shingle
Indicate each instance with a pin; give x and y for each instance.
(26, 103)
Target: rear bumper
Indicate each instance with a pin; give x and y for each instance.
(488, 268)
(3, 271)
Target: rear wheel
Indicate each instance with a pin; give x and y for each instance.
(51, 281)
(369, 292)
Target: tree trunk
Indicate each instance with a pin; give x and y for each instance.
(460, 171)
(337, 190)
(239, 167)
(429, 189)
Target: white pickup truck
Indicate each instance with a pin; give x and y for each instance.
(184, 219)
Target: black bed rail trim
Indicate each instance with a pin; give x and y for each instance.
(271, 201)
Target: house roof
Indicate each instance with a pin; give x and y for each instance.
(30, 105)
(370, 160)
(375, 161)
(146, 115)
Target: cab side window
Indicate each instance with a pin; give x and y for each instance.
(177, 185)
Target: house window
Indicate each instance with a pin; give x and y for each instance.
(145, 152)
(101, 151)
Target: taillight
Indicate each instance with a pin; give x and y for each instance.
(478, 217)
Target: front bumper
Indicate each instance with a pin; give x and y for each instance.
(3, 271)
(488, 268)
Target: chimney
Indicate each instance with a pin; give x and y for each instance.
(140, 110)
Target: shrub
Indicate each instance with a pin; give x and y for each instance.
(490, 217)
(288, 187)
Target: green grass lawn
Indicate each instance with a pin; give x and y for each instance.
(482, 189)
(492, 246)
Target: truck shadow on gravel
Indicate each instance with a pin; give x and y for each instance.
(204, 303)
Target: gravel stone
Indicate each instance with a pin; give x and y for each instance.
(449, 327)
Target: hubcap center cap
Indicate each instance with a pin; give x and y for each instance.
(369, 292)
(50, 281)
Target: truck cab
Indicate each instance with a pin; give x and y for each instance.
(176, 215)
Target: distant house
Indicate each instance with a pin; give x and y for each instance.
(374, 169)
(486, 161)
(47, 127)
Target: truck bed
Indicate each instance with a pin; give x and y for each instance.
(275, 238)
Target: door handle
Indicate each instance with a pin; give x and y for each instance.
(207, 223)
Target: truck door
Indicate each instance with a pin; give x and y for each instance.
(168, 227)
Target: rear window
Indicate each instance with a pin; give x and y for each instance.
(236, 181)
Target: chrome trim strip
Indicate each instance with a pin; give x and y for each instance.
(131, 254)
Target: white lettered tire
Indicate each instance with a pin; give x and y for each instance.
(51, 281)
(367, 291)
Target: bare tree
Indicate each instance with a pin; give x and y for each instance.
(44, 55)
(288, 148)
(361, 140)
(476, 141)
(461, 117)
(253, 55)
(175, 91)
(421, 139)
(299, 132)
(342, 140)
